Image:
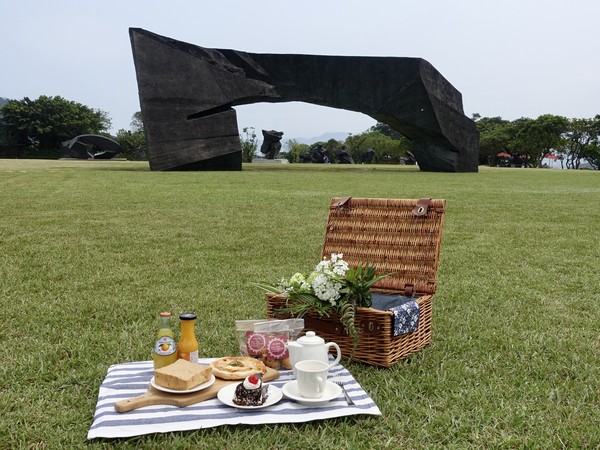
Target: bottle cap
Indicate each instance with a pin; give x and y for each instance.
(187, 316)
(165, 314)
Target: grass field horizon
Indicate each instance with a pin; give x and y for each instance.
(92, 251)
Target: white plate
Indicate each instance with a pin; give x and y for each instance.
(189, 391)
(227, 392)
(332, 390)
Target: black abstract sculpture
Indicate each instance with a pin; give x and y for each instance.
(368, 157)
(187, 94)
(79, 147)
(271, 144)
(318, 154)
(343, 156)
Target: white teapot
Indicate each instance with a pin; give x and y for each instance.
(311, 347)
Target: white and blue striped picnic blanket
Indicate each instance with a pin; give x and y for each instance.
(131, 379)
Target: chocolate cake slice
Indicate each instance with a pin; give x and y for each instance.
(251, 391)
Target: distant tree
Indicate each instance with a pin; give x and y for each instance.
(133, 141)
(9, 146)
(592, 156)
(331, 145)
(581, 141)
(294, 150)
(387, 130)
(386, 148)
(249, 144)
(137, 123)
(494, 137)
(534, 138)
(44, 123)
(592, 151)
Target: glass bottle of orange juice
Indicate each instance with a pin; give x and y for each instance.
(165, 347)
(188, 345)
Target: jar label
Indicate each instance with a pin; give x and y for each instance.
(165, 346)
(276, 348)
(256, 343)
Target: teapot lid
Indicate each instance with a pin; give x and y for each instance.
(311, 339)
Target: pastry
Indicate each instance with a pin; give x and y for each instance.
(237, 367)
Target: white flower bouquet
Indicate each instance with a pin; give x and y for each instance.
(333, 286)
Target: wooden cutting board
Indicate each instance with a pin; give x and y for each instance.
(156, 397)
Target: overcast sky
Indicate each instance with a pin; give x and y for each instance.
(509, 58)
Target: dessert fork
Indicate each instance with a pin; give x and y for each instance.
(348, 399)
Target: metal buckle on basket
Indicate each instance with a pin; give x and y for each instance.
(422, 207)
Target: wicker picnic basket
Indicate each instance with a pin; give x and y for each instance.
(398, 236)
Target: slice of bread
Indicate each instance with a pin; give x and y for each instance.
(182, 375)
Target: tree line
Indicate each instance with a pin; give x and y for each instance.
(387, 146)
(37, 128)
(529, 141)
(522, 142)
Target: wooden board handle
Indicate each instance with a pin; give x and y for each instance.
(129, 404)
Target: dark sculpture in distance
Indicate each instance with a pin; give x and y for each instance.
(368, 157)
(271, 144)
(318, 154)
(79, 147)
(187, 94)
(343, 155)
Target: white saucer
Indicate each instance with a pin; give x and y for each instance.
(189, 391)
(332, 390)
(226, 394)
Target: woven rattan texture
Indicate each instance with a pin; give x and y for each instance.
(387, 234)
(379, 348)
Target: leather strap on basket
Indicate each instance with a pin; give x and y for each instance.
(341, 202)
(422, 207)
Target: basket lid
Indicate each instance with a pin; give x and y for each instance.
(400, 237)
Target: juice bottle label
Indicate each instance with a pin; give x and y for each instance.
(165, 346)
(191, 356)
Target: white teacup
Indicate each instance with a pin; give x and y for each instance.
(312, 378)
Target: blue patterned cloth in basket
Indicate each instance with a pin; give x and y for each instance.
(405, 309)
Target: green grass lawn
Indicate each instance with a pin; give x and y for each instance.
(91, 252)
